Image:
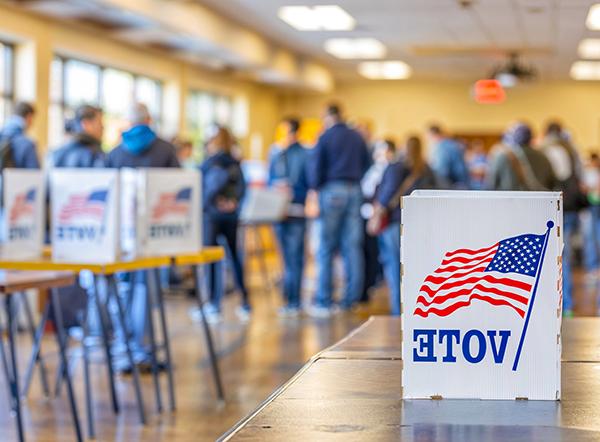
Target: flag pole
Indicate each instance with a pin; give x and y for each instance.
(549, 224)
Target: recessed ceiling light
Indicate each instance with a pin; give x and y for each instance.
(355, 48)
(585, 70)
(593, 18)
(589, 48)
(317, 18)
(384, 70)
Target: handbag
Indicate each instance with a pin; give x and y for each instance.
(380, 220)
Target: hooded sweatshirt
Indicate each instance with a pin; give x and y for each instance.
(23, 148)
(142, 148)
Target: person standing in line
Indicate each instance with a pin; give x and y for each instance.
(337, 165)
(516, 165)
(141, 147)
(568, 170)
(448, 159)
(591, 233)
(287, 172)
(17, 149)
(400, 178)
(85, 147)
(223, 188)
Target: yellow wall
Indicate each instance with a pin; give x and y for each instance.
(37, 39)
(398, 108)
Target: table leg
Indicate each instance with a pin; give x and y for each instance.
(7, 373)
(39, 359)
(14, 381)
(153, 346)
(35, 354)
(60, 372)
(87, 381)
(106, 344)
(112, 291)
(166, 339)
(61, 339)
(198, 277)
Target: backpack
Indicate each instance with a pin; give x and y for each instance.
(7, 159)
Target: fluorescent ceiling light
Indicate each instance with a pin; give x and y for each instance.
(589, 48)
(384, 70)
(593, 18)
(585, 70)
(355, 48)
(317, 18)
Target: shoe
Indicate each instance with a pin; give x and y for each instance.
(288, 312)
(317, 311)
(212, 315)
(243, 313)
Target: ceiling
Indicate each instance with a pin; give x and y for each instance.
(467, 42)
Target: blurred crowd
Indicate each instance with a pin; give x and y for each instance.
(357, 182)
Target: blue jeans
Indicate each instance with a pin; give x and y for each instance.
(340, 229)
(389, 254)
(591, 244)
(290, 235)
(570, 221)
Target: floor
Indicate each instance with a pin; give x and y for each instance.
(255, 359)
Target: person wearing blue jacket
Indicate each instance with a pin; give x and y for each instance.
(140, 146)
(287, 172)
(85, 147)
(23, 149)
(448, 159)
(223, 188)
(400, 178)
(336, 167)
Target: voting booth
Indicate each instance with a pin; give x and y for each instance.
(481, 295)
(160, 211)
(23, 220)
(84, 215)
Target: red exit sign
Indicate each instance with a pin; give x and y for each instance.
(488, 92)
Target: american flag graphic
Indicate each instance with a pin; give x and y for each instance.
(90, 205)
(175, 203)
(23, 205)
(502, 275)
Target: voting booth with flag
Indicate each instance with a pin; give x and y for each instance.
(84, 215)
(23, 219)
(481, 295)
(160, 211)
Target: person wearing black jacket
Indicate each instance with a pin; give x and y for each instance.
(85, 147)
(223, 188)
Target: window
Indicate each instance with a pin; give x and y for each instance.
(75, 82)
(7, 89)
(205, 109)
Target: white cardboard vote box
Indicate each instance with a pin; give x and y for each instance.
(24, 215)
(160, 211)
(482, 294)
(84, 215)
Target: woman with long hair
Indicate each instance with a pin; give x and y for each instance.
(223, 188)
(400, 178)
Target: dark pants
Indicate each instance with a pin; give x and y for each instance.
(290, 235)
(223, 231)
(373, 269)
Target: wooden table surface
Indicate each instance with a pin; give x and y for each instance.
(353, 391)
(12, 281)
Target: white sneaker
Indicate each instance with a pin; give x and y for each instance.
(288, 312)
(211, 314)
(243, 313)
(315, 311)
